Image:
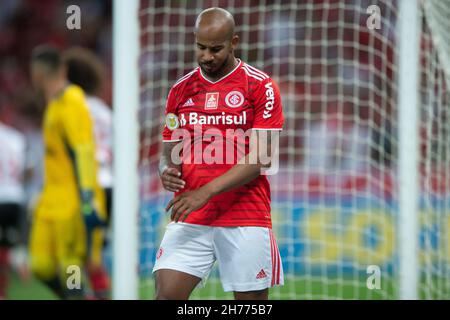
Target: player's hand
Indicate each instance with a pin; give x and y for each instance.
(171, 181)
(90, 215)
(187, 202)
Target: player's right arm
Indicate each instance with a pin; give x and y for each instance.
(170, 172)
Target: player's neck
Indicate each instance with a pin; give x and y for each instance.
(55, 88)
(225, 70)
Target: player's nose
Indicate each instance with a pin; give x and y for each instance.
(208, 57)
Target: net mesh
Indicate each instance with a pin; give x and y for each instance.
(335, 198)
(435, 151)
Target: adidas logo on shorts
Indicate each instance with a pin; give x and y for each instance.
(261, 275)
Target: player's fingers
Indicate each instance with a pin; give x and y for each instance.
(176, 206)
(185, 214)
(175, 215)
(171, 189)
(173, 172)
(169, 205)
(181, 212)
(178, 209)
(174, 186)
(168, 179)
(174, 210)
(172, 202)
(175, 182)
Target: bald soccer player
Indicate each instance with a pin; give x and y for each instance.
(221, 207)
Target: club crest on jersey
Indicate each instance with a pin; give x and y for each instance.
(234, 99)
(211, 101)
(172, 121)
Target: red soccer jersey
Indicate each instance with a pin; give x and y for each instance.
(197, 108)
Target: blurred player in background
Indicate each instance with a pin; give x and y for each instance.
(12, 198)
(86, 70)
(225, 207)
(66, 227)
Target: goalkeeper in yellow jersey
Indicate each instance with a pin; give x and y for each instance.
(85, 69)
(67, 225)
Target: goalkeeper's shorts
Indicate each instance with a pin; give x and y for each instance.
(57, 244)
(248, 257)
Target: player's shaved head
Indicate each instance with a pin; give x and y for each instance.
(216, 41)
(216, 22)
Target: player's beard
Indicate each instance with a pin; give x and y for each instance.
(217, 72)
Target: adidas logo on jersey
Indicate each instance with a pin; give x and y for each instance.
(189, 103)
(261, 274)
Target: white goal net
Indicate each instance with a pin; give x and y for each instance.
(335, 199)
(434, 132)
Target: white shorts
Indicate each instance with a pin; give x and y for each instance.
(248, 257)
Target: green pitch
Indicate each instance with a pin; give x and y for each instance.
(298, 288)
(33, 290)
(30, 290)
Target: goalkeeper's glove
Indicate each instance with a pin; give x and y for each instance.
(90, 215)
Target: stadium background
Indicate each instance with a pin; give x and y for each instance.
(335, 203)
(365, 204)
(25, 24)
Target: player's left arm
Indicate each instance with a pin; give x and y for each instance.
(79, 138)
(268, 120)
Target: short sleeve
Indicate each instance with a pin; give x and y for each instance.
(170, 116)
(268, 106)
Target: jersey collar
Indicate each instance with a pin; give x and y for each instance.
(225, 76)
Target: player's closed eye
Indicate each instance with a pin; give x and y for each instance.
(213, 50)
(216, 49)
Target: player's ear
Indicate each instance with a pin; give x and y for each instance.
(234, 41)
